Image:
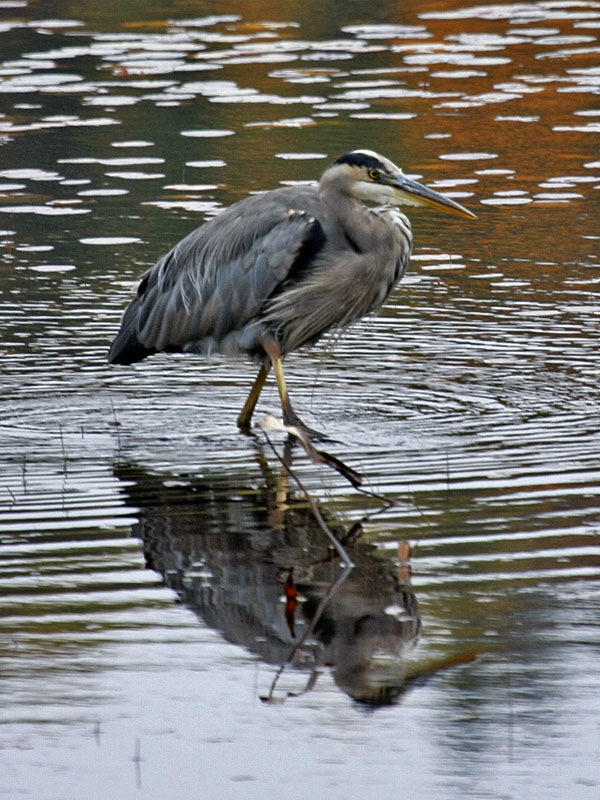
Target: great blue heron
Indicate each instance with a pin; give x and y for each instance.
(277, 270)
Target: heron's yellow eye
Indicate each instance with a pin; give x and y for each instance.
(374, 174)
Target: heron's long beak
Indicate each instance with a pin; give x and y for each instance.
(413, 193)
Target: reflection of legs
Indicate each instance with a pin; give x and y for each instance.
(245, 415)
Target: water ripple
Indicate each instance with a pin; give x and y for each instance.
(470, 402)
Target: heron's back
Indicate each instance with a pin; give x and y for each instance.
(205, 294)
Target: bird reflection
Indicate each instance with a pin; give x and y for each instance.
(253, 563)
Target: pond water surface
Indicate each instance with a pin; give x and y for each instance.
(147, 547)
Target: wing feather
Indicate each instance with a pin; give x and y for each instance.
(215, 281)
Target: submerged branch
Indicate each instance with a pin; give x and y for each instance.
(271, 423)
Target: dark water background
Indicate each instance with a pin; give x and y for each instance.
(145, 543)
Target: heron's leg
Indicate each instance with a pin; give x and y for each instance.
(245, 415)
(273, 350)
(289, 415)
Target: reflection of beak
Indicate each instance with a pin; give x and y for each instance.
(412, 193)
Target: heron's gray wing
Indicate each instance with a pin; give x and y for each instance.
(218, 277)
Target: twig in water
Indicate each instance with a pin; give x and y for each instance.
(271, 423)
(377, 496)
(137, 756)
(137, 760)
(308, 632)
(97, 733)
(62, 447)
(117, 425)
(266, 426)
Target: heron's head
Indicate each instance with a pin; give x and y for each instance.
(371, 178)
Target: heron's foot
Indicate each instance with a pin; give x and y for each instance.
(291, 418)
(244, 425)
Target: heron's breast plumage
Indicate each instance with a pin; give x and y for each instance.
(351, 276)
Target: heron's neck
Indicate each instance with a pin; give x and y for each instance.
(353, 221)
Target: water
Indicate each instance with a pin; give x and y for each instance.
(146, 544)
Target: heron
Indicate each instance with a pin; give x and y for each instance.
(276, 271)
